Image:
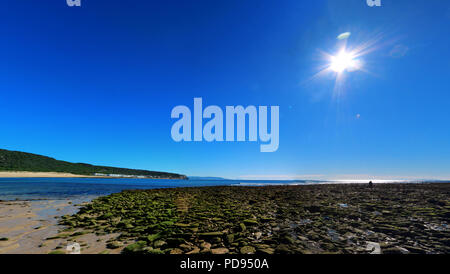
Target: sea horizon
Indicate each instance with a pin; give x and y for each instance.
(70, 188)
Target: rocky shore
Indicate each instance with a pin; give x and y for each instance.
(348, 219)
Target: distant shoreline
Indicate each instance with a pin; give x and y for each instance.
(29, 174)
(28, 165)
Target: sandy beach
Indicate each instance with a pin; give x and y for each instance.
(28, 174)
(31, 227)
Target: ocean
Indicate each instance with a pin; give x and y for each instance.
(73, 188)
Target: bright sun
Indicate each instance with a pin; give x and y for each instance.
(343, 61)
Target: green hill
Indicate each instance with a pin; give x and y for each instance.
(22, 161)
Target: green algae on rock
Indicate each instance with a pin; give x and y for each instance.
(401, 218)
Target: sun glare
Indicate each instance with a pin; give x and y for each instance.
(347, 59)
(343, 61)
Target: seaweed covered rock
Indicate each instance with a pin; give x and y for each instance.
(400, 218)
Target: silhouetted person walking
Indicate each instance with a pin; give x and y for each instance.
(370, 184)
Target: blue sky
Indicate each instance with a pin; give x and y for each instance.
(97, 84)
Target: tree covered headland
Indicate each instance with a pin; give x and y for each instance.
(22, 161)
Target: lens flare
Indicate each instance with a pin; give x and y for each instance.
(343, 61)
(347, 59)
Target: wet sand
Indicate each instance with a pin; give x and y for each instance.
(31, 227)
